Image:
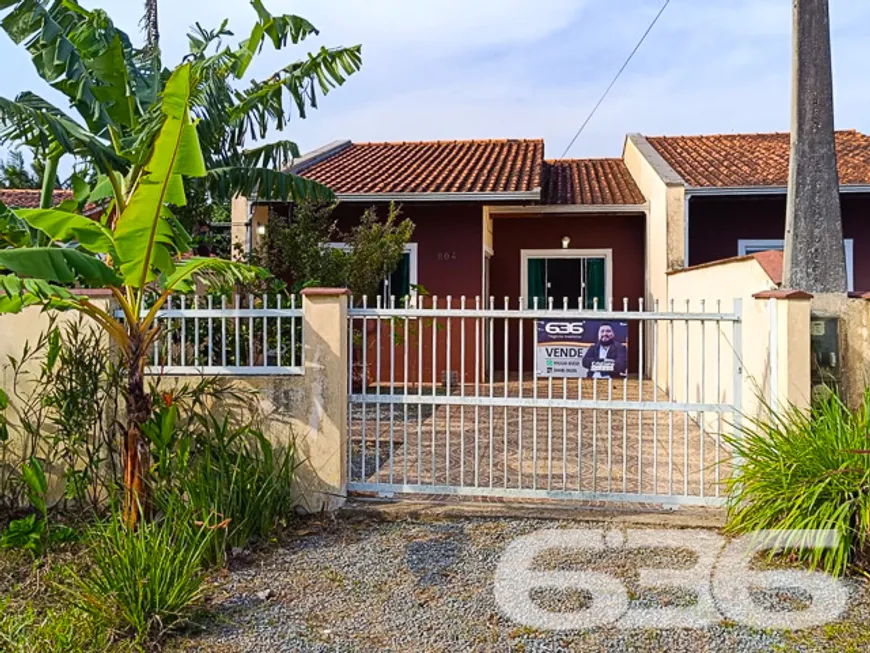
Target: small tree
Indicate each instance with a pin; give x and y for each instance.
(376, 249)
(14, 173)
(298, 248)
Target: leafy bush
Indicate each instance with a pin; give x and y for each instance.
(296, 248)
(143, 581)
(806, 470)
(62, 408)
(31, 533)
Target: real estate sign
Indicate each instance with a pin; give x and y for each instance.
(581, 349)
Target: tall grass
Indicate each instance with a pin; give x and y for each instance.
(806, 470)
(143, 582)
(64, 630)
(236, 477)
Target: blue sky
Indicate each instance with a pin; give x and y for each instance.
(444, 69)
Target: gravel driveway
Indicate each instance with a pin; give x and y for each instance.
(365, 585)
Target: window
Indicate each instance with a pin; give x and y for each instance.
(402, 282)
(751, 246)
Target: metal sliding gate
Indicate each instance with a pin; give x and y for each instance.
(463, 398)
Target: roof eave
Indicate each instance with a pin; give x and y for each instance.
(314, 157)
(572, 208)
(496, 196)
(659, 164)
(697, 191)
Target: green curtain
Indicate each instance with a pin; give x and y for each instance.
(537, 276)
(595, 283)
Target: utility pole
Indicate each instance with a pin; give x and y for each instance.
(814, 258)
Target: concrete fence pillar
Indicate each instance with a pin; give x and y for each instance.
(322, 446)
(789, 378)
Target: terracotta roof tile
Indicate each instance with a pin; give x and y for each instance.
(589, 181)
(28, 198)
(769, 260)
(489, 166)
(728, 160)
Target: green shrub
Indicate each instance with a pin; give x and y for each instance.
(143, 582)
(235, 476)
(62, 407)
(806, 470)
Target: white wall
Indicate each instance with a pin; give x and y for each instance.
(701, 373)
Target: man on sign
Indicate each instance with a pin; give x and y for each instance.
(606, 359)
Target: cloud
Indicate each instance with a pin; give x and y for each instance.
(534, 68)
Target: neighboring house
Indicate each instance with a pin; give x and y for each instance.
(29, 198)
(725, 195)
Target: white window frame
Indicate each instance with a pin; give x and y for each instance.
(606, 254)
(746, 245)
(410, 248)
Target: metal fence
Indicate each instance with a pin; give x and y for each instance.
(228, 335)
(453, 397)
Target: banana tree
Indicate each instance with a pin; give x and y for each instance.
(115, 88)
(137, 255)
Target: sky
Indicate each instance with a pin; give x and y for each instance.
(460, 69)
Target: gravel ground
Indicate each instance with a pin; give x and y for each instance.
(363, 585)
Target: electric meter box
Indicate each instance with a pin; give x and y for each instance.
(825, 351)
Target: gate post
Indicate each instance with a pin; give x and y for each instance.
(790, 347)
(323, 447)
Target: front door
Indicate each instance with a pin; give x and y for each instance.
(580, 279)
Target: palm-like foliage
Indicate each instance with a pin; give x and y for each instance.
(145, 130)
(136, 254)
(115, 88)
(14, 173)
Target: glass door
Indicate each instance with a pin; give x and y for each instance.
(580, 279)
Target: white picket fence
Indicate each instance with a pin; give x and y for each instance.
(234, 335)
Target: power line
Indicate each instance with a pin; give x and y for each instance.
(616, 77)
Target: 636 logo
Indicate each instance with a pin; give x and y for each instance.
(564, 328)
(721, 579)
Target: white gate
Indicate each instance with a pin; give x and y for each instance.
(456, 398)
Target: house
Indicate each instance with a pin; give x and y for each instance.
(496, 219)
(29, 198)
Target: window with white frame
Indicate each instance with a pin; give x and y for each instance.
(402, 282)
(753, 245)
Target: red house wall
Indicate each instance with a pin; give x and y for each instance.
(716, 224)
(449, 251)
(624, 234)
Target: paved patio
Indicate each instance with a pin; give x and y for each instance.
(599, 450)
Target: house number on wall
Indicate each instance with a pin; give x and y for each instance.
(446, 256)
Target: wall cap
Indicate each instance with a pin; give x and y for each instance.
(782, 294)
(325, 292)
(860, 295)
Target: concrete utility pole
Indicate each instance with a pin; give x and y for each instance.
(814, 258)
